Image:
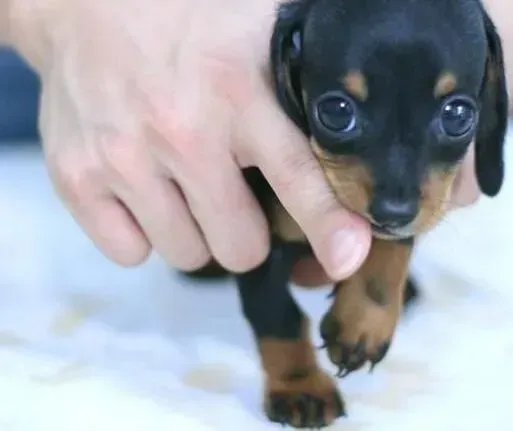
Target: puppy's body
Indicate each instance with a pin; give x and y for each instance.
(391, 94)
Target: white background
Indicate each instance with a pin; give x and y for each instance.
(87, 345)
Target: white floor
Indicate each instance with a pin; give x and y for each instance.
(85, 345)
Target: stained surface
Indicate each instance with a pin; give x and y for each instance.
(85, 344)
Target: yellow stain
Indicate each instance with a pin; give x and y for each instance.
(9, 339)
(63, 375)
(216, 378)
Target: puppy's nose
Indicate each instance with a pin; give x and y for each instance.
(393, 213)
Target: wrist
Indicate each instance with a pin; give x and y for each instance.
(27, 28)
(5, 22)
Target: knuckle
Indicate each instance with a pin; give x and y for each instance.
(183, 140)
(118, 157)
(230, 77)
(72, 174)
(174, 132)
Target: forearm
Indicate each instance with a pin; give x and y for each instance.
(5, 21)
(24, 25)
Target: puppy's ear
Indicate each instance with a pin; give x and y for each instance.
(286, 52)
(493, 122)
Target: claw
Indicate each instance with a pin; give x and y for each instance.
(305, 410)
(281, 409)
(380, 355)
(330, 328)
(319, 414)
(340, 407)
(301, 408)
(351, 358)
(343, 373)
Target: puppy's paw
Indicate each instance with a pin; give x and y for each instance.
(359, 327)
(304, 400)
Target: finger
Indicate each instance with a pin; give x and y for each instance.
(466, 188)
(161, 211)
(308, 272)
(105, 220)
(232, 223)
(340, 239)
(156, 203)
(197, 153)
(76, 174)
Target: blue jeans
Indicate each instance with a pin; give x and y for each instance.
(19, 94)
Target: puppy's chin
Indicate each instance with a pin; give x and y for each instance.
(396, 234)
(392, 235)
(421, 225)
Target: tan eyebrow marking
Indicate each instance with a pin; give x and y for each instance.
(356, 85)
(446, 84)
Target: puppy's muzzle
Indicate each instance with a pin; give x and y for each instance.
(390, 213)
(392, 217)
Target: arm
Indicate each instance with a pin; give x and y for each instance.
(5, 21)
(23, 28)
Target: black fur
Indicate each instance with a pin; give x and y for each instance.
(401, 47)
(315, 42)
(285, 60)
(267, 303)
(493, 123)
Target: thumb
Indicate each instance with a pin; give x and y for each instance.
(340, 239)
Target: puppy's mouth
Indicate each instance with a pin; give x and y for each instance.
(384, 232)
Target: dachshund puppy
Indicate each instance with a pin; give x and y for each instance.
(391, 94)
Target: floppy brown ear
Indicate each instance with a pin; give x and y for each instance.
(493, 122)
(286, 47)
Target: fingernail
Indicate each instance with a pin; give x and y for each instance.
(348, 251)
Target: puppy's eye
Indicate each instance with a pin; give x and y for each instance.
(337, 114)
(458, 117)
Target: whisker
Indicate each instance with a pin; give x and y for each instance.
(442, 218)
(449, 202)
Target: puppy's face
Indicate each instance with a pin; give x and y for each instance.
(392, 93)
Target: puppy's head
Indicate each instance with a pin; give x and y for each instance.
(392, 93)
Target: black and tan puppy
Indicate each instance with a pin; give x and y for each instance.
(391, 94)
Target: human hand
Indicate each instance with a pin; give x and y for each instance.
(148, 112)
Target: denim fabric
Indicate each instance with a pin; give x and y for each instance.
(19, 93)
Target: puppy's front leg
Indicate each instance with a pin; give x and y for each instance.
(361, 322)
(298, 392)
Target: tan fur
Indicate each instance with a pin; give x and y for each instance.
(281, 358)
(436, 199)
(356, 85)
(292, 371)
(359, 313)
(350, 180)
(352, 184)
(283, 225)
(445, 85)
